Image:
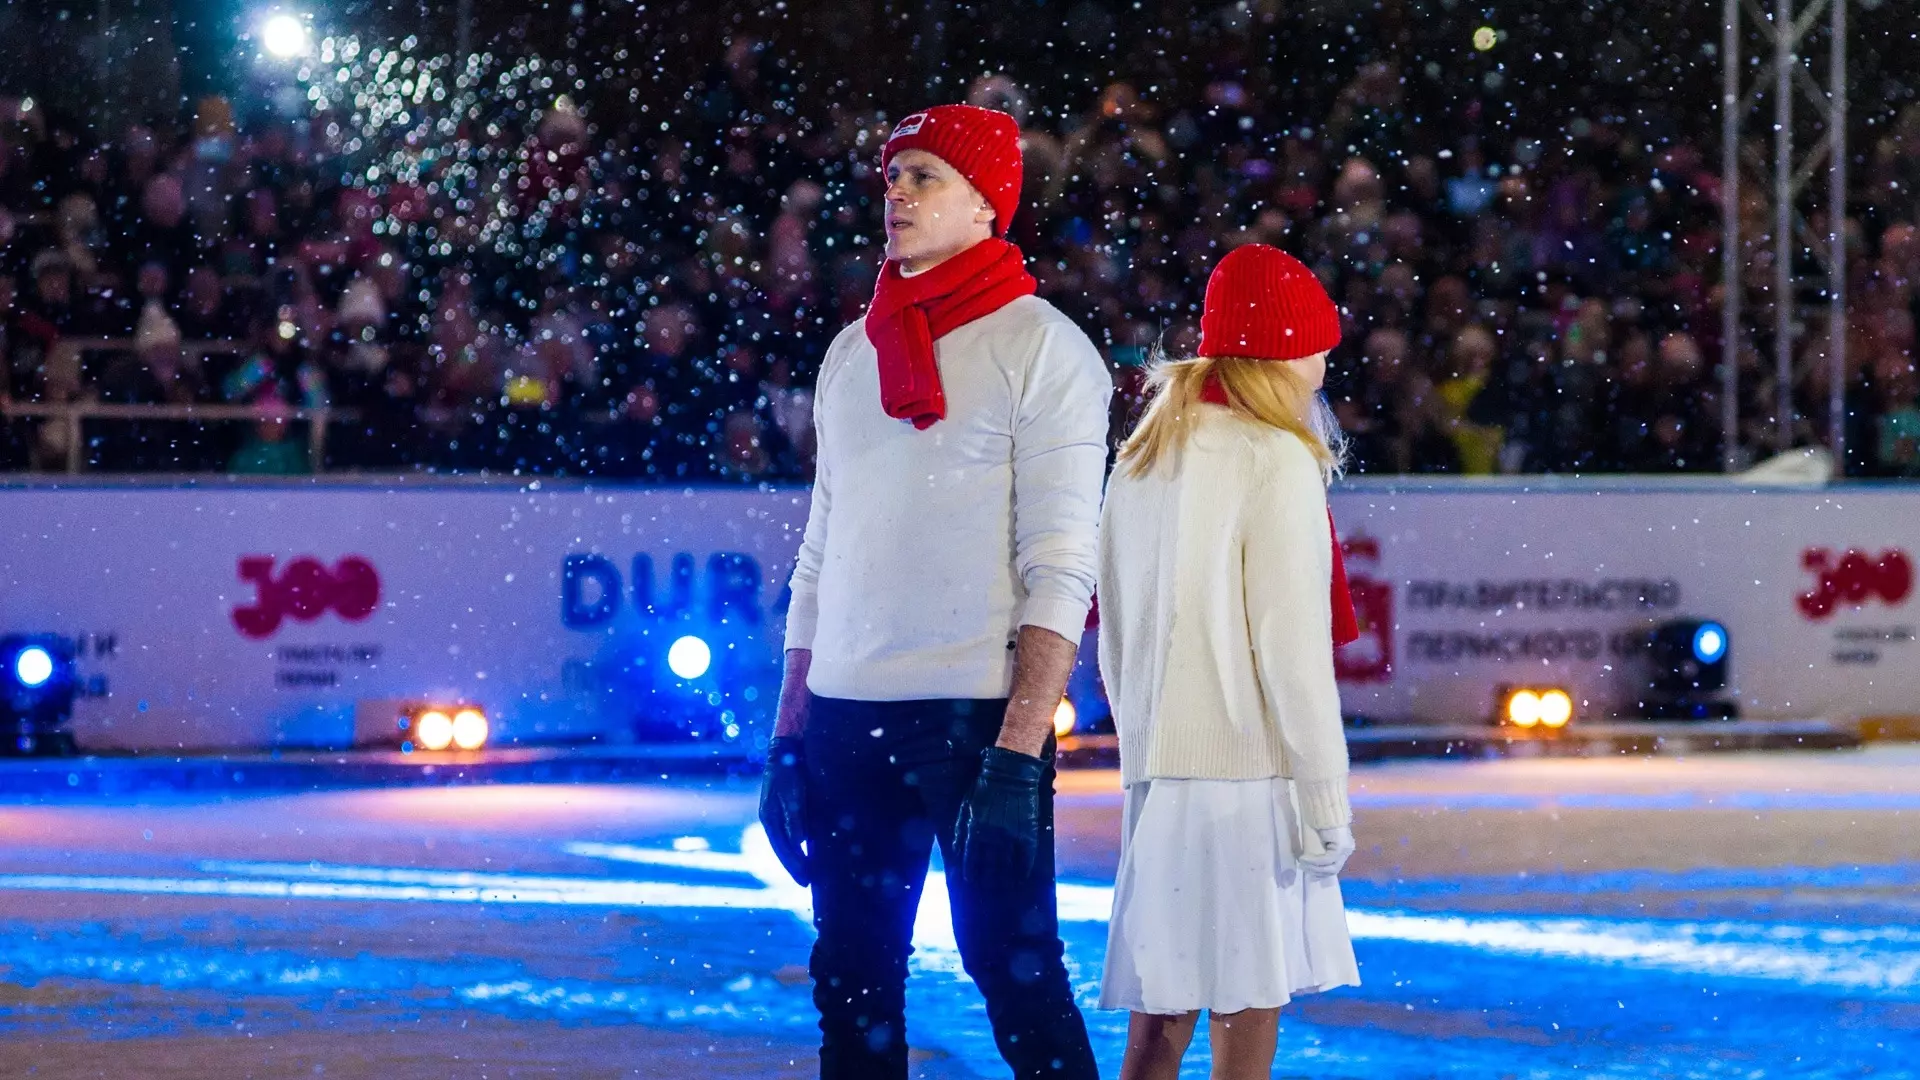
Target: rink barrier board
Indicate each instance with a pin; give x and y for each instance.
(252, 614)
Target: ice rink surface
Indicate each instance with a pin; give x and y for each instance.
(1720, 916)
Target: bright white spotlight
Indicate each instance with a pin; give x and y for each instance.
(434, 729)
(33, 667)
(284, 36)
(469, 729)
(689, 657)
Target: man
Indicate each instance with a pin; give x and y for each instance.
(944, 579)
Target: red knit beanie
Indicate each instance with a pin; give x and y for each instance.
(983, 144)
(1264, 304)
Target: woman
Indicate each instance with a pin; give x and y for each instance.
(1221, 601)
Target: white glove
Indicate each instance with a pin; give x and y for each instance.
(1336, 847)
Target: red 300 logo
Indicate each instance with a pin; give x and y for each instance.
(1853, 579)
(304, 591)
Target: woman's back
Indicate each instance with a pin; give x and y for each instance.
(1215, 635)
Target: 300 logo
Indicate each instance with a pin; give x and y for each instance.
(305, 590)
(1853, 578)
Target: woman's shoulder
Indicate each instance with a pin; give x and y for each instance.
(1242, 444)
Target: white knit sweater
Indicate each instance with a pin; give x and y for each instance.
(1216, 639)
(926, 551)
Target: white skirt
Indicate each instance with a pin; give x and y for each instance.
(1212, 910)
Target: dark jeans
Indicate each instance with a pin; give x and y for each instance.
(884, 783)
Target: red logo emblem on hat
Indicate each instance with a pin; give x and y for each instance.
(909, 126)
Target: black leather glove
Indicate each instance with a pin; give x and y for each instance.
(999, 827)
(783, 800)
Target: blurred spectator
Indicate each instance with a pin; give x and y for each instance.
(162, 233)
(278, 366)
(1897, 448)
(547, 291)
(206, 313)
(156, 372)
(1469, 362)
(270, 449)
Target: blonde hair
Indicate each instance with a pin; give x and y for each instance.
(1267, 392)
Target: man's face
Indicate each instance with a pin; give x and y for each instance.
(933, 213)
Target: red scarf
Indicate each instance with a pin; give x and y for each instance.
(1346, 626)
(909, 314)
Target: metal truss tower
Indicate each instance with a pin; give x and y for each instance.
(1780, 73)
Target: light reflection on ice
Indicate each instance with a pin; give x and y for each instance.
(1882, 960)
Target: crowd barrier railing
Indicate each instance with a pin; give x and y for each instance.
(64, 374)
(72, 416)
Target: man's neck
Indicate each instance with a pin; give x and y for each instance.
(916, 267)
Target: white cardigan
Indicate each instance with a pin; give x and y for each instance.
(1216, 636)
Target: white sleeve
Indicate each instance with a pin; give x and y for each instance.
(1287, 559)
(803, 607)
(1059, 454)
(1107, 635)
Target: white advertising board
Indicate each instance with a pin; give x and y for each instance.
(258, 616)
(252, 616)
(1558, 584)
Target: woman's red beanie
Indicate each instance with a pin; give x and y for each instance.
(983, 144)
(1264, 304)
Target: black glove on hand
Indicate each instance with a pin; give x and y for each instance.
(783, 797)
(999, 827)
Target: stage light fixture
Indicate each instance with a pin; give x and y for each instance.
(37, 690)
(1523, 708)
(1687, 667)
(1064, 718)
(433, 730)
(284, 35)
(33, 667)
(1709, 642)
(469, 729)
(1556, 709)
(689, 657)
(1534, 707)
(436, 725)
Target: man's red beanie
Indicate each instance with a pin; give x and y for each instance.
(1264, 304)
(983, 144)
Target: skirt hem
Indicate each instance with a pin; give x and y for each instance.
(1140, 1007)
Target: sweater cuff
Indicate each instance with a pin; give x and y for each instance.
(1323, 803)
(1068, 618)
(803, 617)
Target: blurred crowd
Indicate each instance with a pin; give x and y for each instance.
(652, 308)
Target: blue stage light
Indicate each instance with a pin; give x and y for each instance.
(37, 689)
(1686, 671)
(689, 657)
(1709, 642)
(33, 666)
